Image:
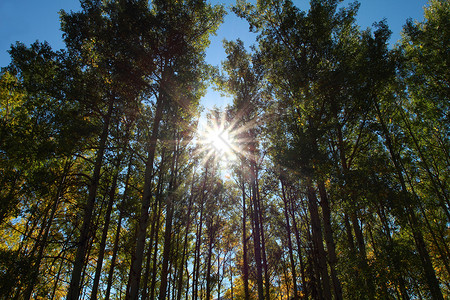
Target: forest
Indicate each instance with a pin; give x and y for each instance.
(326, 177)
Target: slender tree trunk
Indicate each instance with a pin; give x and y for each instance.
(168, 227)
(286, 286)
(136, 264)
(153, 228)
(436, 183)
(99, 214)
(186, 237)
(196, 277)
(43, 241)
(231, 281)
(118, 229)
(55, 285)
(433, 282)
(83, 243)
(220, 279)
(114, 256)
(171, 276)
(318, 240)
(305, 289)
(257, 233)
(107, 220)
(145, 279)
(208, 263)
(331, 248)
(154, 234)
(244, 243)
(198, 239)
(263, 241)
(187, 281)
(313, 268)
(183, 259)
(155, 241)
(291, 254)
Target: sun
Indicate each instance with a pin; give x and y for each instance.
(221, 143)
(224, 138)
(220, 140)
(217, 139)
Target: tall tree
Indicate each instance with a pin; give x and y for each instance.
(182, 33)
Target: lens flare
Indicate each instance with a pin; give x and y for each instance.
(220, 140)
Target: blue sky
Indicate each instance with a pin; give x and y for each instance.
(30, 20)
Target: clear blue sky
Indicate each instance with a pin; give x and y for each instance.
(30, 20)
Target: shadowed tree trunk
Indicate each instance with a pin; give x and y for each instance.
(152, 250)
(291, 254)
(244, 243)
(136, 264)
(257, 233)
(167, 249)
(331, 248)
(43, 241)
(317, 239)
(198, 239)
(112, 197)
(83, 243)
(433, 282)
(305, 289)
(118, 229)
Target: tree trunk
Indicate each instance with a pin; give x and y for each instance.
(43, 241)
(244, 243)
(136, 264)
(313, 268)
(153, 233)
(186, 237)
(155, 241)
(318, 240)
(433, 282)
(198, 239)
(305, 289)
(263, 241)
(257, 233)
(107, 220)
(154, 228)
(117, 235)
(331, 248)
(83, 243)
(168, 227)
(291, 254)
(208, 262)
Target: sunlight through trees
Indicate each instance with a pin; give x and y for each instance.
(326, 177)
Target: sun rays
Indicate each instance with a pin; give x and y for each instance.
(217, 141)
(222, 139)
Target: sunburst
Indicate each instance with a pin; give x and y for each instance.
(223, 140)
(220, 140)
(217, 140)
